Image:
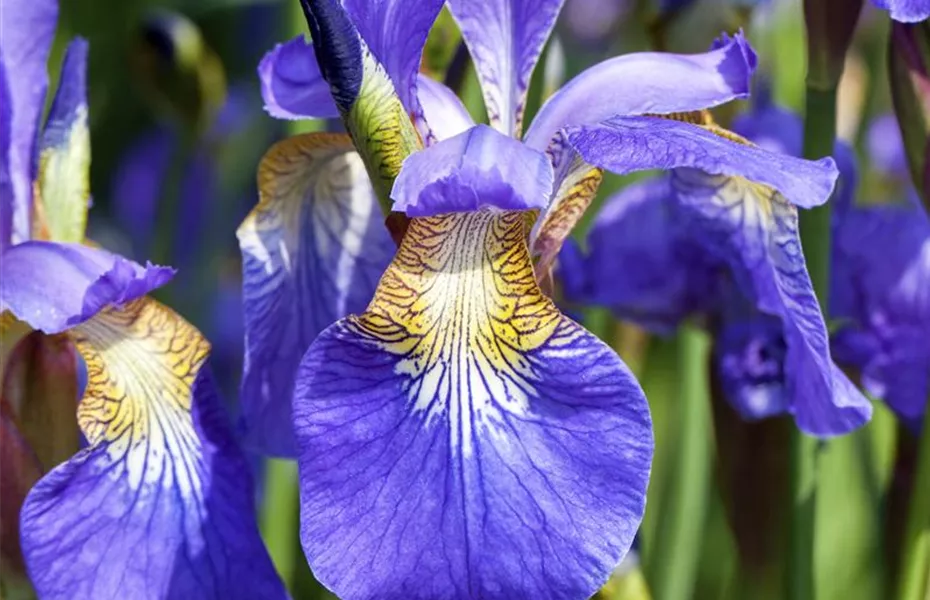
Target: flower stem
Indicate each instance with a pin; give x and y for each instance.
(681, 532)
(819, 135)
(280, 516)
(914, 576)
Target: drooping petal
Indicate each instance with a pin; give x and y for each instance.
(160, 504)
(292, 85)
(26, 32)
(505, 39)
(64, 152)
(906, 11)
(880, 295)
(463, 439)
(754, 229)
(628, 144)
(444, 115)
(313, 250)
(395, 32)
(475, 169)
(53, 287)
(647, 82)
(641, 263)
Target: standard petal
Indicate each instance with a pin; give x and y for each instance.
(7, 203)
(26, 32)
(462, 438)
(64, 152)
(641, 263)
(292, 85)
(161, 482)
(646, 82)
(628, 144)
(444, 115)
(505, 39)
(754, 229)
(313, 251)
(395, 32)
(475, 169)
(53, 287)
(906, 11)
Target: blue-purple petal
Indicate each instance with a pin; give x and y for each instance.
(53, 287)
(628, 144)
(505, 39)
(443, 114)
(906, 11)
(885, 147)
(477, 168)
(134, 520)
(26, 33)
(647, 82)
(7, 204)
(292, 85)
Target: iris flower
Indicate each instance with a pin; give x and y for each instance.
(459, 437)
(880, 292)
(158, 503)
(726, 249)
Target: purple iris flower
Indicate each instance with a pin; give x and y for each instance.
(694, 243)
(880, 292)
(458, 436)
(905, 11)
(159, 503)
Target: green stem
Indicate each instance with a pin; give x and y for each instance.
(914, 576)
(280, 516)
(819, 136)
(681, 533)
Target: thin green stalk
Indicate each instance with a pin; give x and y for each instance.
(280, 516)
(681, 532)
(819, 135)
(914, 576)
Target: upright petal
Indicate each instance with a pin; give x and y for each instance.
(53, 287)
(475, 169)
(641, 263)
(647, 82)
(7, 203)
(463, 439)
(26, 32)
(161, 482)
(755, 230)
(313, 251)
(444, 115)
(292, 85)
(64, 153)
(395, 32)
(906, 11)
(505, 39)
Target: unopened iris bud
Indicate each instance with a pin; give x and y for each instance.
(908, 60)
(830, 27)
(178, 72)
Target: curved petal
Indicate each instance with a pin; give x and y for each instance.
(64, 153)
(880, 293)
(313, 250)
(641, 263)
(395, 32)
(161, 481)
(647, 82)
(906, 11)
(754, 229)
(505, 39)
(26, 33)
(53, 287)
(292, 85)
(462, 438)
(885, 146)
(475, 169)
(7, 201)
(444, 115)
(628, 144)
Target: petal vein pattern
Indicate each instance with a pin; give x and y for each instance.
(313, 250)
(461, 437)
(161, 483)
